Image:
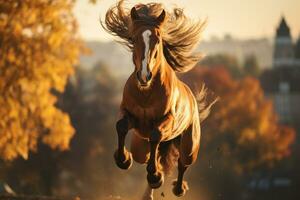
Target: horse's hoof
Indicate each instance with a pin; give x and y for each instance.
(123, 161)
(180, 190)
(147, 197)
(155, 180)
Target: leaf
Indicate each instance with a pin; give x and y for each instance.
(39, 47)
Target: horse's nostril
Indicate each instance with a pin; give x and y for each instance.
(138, 75)
(149, 76)
(143, 79)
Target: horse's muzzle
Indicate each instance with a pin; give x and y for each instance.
(144, 80)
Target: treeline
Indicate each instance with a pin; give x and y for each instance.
(241, 136)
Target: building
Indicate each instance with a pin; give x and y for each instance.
(284, 49)
(282, 82)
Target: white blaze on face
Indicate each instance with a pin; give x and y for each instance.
(146, 37)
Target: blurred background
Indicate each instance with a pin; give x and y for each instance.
(61, 81)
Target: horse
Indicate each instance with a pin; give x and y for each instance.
(161, 110)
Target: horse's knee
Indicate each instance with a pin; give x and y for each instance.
(188, 160)
(122, 125)
(187, 157)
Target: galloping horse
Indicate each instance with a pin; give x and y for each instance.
(159, 108)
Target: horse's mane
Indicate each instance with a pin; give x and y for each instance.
(180, 35)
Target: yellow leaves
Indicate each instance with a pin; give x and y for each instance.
(8, 152)
(61, 131)
(11, 55)
(13, 112)
(22, 147)
(247, 135)
(55, 40)
(3, 20)
(37, 56)
(17, 29)
(31, 17)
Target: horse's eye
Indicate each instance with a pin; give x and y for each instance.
(155, 55)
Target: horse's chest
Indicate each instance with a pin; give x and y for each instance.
(146, 118)
(147, 114)
(149, 108)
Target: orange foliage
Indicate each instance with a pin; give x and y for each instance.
(243, 124)
(39, 47)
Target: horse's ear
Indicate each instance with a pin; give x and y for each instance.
(134, 14)
(161, 18)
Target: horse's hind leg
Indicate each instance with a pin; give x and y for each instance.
(189, 146)
(180, 186)
(123, 158)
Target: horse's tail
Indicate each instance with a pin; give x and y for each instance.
(169, 154)
(204, 107)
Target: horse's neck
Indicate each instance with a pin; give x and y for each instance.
(166, 74)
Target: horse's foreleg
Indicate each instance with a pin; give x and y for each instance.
(155, 176)
(180, 186)
(122, 157)
(164, 125)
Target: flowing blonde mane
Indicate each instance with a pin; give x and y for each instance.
(180, 35)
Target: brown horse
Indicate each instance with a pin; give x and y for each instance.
(159, 108)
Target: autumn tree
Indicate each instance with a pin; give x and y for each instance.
(242, 135)
(90, 98)
(39, 46)
(243, 123)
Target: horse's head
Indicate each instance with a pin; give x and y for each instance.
(147, 47)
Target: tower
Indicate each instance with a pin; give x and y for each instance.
(283, 48)
(297, 49)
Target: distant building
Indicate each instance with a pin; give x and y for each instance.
(282, 85)
(282, 82)
(283, 46)
(297, 49)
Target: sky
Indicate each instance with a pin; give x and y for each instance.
(242, 19)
